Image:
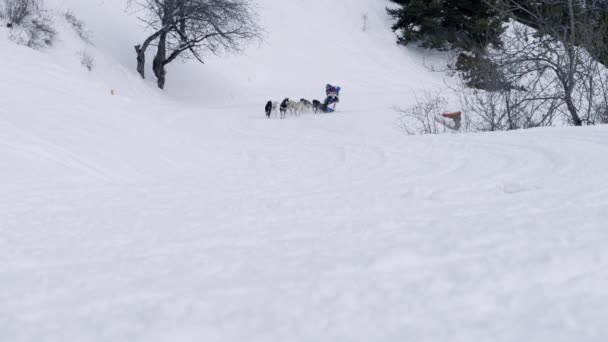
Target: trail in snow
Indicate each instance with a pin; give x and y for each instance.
(308, 233)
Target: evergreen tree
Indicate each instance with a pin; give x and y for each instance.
(466, 25)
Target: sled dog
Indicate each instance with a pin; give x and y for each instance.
(316, 104)
(268, 108)
(283, 107)
(307, 105)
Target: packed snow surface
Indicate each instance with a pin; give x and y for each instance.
(186, 215)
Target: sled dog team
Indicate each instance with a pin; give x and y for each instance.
(297, 108)
(288, 106)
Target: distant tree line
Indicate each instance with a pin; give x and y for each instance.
(524, 62)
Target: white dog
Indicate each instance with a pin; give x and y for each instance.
(275, 108)
(294, 108)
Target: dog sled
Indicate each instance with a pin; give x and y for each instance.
(332, 99)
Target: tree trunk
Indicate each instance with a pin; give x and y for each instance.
(140, 50)
(576, 120)
(158, 65)
(141, 60)
(510, 119)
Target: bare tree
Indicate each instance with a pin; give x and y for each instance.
(16, 11)
(78, 26)
(599, 112)
(502, 95)
(191, 28)
(547, 47)
(29, 22)
(86, 60)
(425, 116)
(40, 32)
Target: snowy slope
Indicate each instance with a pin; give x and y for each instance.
(188, 216)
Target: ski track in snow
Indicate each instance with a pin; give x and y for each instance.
(313, 232)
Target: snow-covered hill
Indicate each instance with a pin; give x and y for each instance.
(186, 215)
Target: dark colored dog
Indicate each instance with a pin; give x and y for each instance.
(268, 108)
(283, 107)
(316, 104)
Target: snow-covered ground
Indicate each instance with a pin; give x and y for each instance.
(189, 216)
